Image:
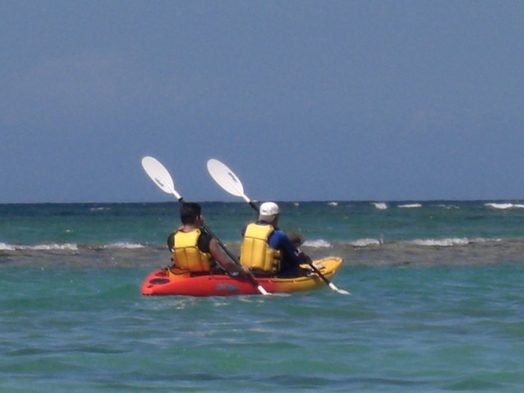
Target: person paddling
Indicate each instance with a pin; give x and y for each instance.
(267, 250)
(197, 251)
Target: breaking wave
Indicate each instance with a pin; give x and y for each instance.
(65, 246)
(366, 242)
(441, 242)
(124, 245)
(39, 247)
(372, 242)
(504, 206)
(320, 243)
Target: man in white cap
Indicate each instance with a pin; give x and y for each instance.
(266, 249)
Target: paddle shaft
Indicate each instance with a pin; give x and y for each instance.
(250, 277)
(329, 283)
(252, 204)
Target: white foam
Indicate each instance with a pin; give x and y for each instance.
(320, 243)
(448, 207)
(380, 205)
(441, 242)
(47, 247)
(63, 247)
(6, 247)
(410, 206)
(333, 203)
(366, 242)
(502, 206)
(123, 245)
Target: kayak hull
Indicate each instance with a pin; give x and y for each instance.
(163, 282)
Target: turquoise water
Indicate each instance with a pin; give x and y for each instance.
(436, 306)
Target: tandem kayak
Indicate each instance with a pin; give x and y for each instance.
(166, 282)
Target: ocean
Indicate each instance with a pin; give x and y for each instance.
(436, 304)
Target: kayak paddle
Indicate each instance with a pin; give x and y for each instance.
(230, 182)
(161, 177)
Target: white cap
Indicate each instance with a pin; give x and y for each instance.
(268, 211)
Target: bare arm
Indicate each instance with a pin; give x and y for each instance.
(223, 260)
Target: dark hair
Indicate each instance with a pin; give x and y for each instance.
(189, 211)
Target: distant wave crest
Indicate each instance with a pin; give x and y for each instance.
(449, 242)
(66, 246)
(366, 242)
(123, 245)
(319, 243)
(39, 247)
(504, 206)
(6, 247)
(371, 242)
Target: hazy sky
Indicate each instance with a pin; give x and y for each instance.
(304, 100)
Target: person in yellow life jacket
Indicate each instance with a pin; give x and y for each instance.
(268, 250)
(194, 249)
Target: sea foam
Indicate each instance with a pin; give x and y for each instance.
(39, 247)
(123, 245)
(504, 206)
(366, 242)
(319, 243)
(448, 242)
(6, 247)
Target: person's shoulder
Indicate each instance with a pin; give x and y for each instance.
(205, 235)
(204, 241)
(279, 234)
(204, 238)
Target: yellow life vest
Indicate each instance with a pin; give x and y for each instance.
(255, 252)
(187, 255)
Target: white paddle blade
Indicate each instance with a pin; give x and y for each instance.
(341, 291)
(262, 290)
(159, 174)
(225, 178)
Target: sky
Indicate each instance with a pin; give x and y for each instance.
(303, 100)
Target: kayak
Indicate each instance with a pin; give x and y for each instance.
(167, 282)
